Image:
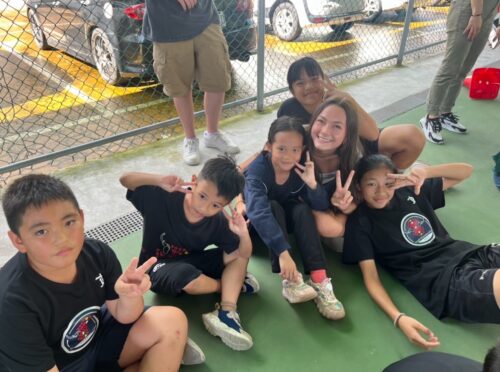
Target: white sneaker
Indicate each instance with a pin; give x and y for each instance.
(299, 291)
(450, 122)
(432, 129)
(250, 284)
(327, 303)
(192, 354)
(220, 142)
(227, 326)
(191, 151)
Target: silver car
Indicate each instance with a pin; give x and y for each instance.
(288, 17)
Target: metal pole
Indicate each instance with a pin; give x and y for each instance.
(261, 31)
(406, 32)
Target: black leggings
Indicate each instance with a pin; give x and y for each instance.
(296, 217)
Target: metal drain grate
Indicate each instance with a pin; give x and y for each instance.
(118, 228)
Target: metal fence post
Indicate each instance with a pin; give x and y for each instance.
(261, 29)
(406, 32)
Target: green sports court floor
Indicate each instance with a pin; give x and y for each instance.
(297, 338)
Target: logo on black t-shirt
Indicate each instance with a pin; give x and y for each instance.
(81, 330)
(417, 229)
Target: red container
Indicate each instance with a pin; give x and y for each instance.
(484, 84)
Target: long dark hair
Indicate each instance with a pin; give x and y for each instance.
(349, 150)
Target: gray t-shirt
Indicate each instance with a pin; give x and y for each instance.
(166, 21)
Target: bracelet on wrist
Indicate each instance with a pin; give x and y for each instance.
(397, 318)
(477, 15)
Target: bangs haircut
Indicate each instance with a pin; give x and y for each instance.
(285, 124)
(308, 64)
(223, 172)
(372, 162)
(34, 190)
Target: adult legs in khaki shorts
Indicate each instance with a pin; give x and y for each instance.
(206, 59)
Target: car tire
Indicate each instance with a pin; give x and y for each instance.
(285, 22)
(373, 10)
(104, 57)
(36, 29)
(341, 29)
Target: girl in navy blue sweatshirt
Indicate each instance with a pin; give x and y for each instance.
(279, 195)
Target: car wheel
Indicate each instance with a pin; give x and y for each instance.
(104, 57)
(373, 10)
(340, 29)
(36, 28)
(286, 22)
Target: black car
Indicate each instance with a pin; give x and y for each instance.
(108, 34)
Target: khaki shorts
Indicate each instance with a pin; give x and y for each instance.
(204, 59)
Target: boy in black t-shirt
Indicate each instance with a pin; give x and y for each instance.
(65, 304)
(181, 219)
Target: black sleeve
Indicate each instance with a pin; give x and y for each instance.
(142, 195)
(432, 189)
(358, 245)
(225, 238)
(112, 270)
(23, 346)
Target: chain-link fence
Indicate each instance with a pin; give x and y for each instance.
(77, 80)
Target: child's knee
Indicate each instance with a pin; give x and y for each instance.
(167, 318)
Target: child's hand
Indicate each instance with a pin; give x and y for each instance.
(413, 330)
(134, 281)
(306, 172)
(342, 197)
(288, 267)
(174, 183)
(237, 223)
(415, 177)
(329, 87)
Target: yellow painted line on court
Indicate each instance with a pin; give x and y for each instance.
(415, 25)
(40, 106)
(295, 48)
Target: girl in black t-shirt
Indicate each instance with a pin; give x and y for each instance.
(396, 226)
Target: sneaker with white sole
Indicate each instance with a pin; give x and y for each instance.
(250, 284)
(432, 129)
(227, 326)
(299, 291)
(449, 121)
(327, 303)
(220, 142)
(191, 151)
(192, 354)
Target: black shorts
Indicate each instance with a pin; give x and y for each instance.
(103, 355)
(170, 276)
(470, 295)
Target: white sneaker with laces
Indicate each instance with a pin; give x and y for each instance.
(191, 151)
(327, 303)
(227, 326)
(220, 142)
(432, 129)
(299, 291)
(250, 284)
(449, 121)
(192, 354)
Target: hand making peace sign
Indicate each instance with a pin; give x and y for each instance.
(134, 281)
(329, 87)
(237, 223)
(306, 172)
(342, 197)
(174, 183)
(415, 177)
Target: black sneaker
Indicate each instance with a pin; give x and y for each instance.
(432, 129)
(450, 122)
